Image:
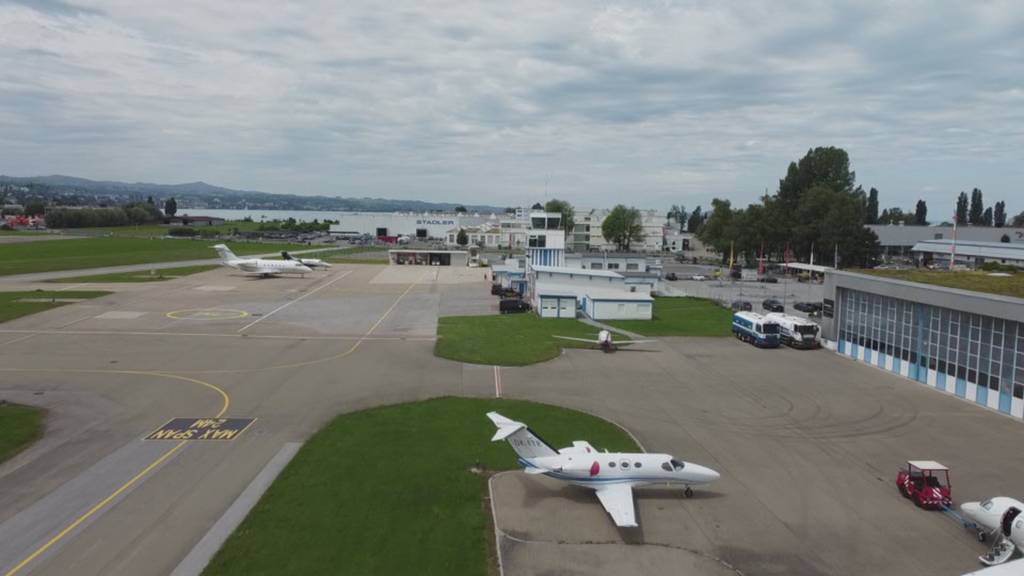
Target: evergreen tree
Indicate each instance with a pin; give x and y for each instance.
(694, 221)
(171, 207)
(921, 213)
(961, 209)
(999, 216)
(986, 218)
(871, 213)
(976, 214)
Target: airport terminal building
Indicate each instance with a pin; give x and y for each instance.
(969, 344)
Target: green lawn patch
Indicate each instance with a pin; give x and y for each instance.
(507, 339)
(17, 304)
(975, 281)
(157, 230)
(155, 275)
(682, 317)
(390, 491)
(19, 427)
(77, 254)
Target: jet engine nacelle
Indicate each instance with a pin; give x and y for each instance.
(1012, 526)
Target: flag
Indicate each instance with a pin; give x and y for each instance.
(731, 246)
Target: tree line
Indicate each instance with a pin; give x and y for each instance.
(129, 215)
(818, 211)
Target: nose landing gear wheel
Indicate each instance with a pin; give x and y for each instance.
(688, 492)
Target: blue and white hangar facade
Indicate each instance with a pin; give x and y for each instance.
(969, 344)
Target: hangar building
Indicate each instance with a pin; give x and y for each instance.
(969, 344)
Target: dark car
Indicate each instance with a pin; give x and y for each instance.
(808, 307)
(773, 305)
(513, 306)
(671, 276)
(496, 289)
(768, 279)
(742, 305)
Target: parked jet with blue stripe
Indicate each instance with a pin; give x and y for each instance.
(612, 475)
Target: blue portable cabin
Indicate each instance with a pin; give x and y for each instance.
(756, 329)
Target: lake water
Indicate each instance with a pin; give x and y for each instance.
(261, 215)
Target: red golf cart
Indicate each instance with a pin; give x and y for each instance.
(926, 482)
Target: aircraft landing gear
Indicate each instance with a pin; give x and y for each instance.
(688, 492)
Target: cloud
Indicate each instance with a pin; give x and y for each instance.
(649, 102)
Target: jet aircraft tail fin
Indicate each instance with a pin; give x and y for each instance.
(526, 444)
(225, 252)
(286, 256)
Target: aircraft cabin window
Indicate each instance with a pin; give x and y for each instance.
(666, 467)
(636, 465)
(625, 464)
(611, 464)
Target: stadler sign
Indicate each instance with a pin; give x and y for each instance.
(436, 222)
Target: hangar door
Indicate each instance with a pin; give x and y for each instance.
(566, 307)
(548, 307)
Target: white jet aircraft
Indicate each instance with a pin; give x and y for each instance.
(604, 341)
(259, 265)
(611, 475)
(308, 262)
(1001, 517)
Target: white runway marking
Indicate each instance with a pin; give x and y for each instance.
(217, 335)
(497, 381)
(119, 315)
(289, 303)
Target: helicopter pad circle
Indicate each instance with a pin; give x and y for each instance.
(207, 314)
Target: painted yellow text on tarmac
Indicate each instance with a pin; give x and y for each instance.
(201, 429)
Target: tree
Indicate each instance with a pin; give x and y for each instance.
(623, 226)
(921, 213)
(976, 214)
(171, 207)
(462, 238)
(999, 217)
(537, 206)
(1018, 221)
(694, 221)
(150, 201)
(885, 218)
(822, 166)
(460, 210)
(871, 213)
(35, 208)
(565, 209)
(961, 208)
(718, 231)
(986, 218)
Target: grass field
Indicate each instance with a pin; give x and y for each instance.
(138, 276)
(26, 257)
(158, 230)
(390, 491)
(507, 339)
(682, 317)
(19, 427)
(11, 308)
(975, 281)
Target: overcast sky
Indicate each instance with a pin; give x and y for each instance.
(646, 103)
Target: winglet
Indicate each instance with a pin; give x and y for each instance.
(505, 426)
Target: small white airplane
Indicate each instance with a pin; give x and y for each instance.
(1000, 517)
(604, 341)
(612, 475)
(308, 262)
(260, 266)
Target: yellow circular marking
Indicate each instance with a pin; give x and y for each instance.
(207, 314)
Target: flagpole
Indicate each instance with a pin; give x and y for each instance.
(952, 247)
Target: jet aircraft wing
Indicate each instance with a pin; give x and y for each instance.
(628, 342)
(587, 340)
(617, 499)
(1010, 568)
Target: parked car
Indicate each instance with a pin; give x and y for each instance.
(513, 306)
(742, 306)
(768, 279)
(808, 307)
(773, 305)
(671, 276)
(699, 277)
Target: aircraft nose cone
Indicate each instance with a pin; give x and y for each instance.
(970, 509)
(706, 475)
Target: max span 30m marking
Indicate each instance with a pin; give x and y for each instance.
(201, 429)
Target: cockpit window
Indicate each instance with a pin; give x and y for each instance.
(667, 466)
(676, 464)
(987, 504)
